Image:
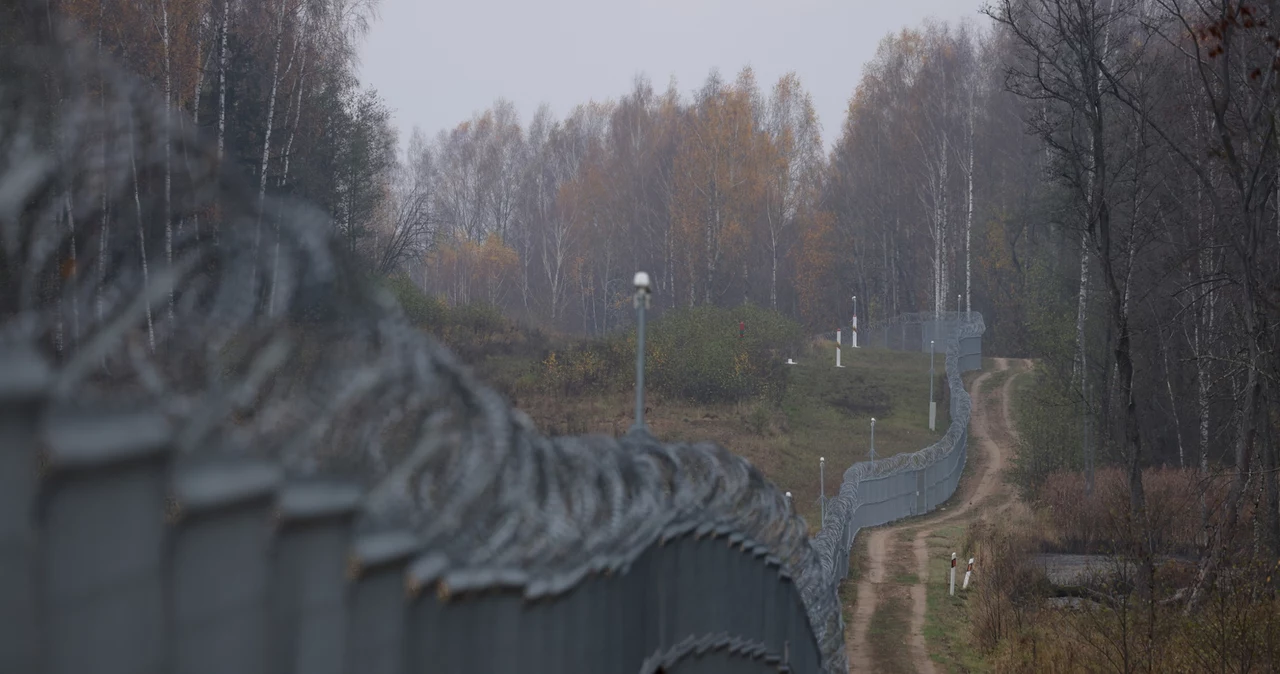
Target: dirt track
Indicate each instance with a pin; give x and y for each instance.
(991, 431)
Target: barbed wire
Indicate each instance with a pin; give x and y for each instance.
(260, 336)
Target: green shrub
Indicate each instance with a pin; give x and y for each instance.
(420, 309)
(478, 319)
(1048, 419)
(697, 354)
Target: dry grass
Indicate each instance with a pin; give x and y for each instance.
(825, 412)
(1083, 523)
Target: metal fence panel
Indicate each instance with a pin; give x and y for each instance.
(221, 512)
(102, 515)
(308, 587)
(21, 395)
(376, 631)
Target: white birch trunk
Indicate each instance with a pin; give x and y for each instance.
(104, 232)
(266, 138)
(968, 224)
(197, 94)
(142, 241)
(222, 90)
(1081, 363)
(296, 111)
(75, 271)
(168, 146)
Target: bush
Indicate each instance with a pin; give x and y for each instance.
(596, 364)
(420, 309)
(696, 354)
(1100, 523)
(1048, 419)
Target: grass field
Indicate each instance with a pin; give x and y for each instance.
(825, 412)
(946, 628)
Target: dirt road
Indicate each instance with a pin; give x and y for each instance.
(991, 432)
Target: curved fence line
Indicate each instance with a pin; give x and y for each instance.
(881, 491)
(187, 442)
(122, 555)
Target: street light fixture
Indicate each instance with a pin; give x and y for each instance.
(873, 438)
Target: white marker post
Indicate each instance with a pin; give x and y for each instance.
(838, 349)
(967, 572)
(953, 574)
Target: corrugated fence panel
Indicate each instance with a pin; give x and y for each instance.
(308, 584)
(101, 575)
(21, 397)
(221, 512)
(117, 589)
(376, 630)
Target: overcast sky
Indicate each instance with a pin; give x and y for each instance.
(436, 63)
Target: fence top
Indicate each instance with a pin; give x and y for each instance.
(389, 547)
(81, 438)
(218, 483)
(26, 374)
(317, 499)
(927, 316)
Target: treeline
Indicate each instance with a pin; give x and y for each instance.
(551, 221)
(728, 196)
(1145, 246)
(273, 84)
(1098, 178)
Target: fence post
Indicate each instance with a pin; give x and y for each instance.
(376, 630)
(308, 588)
(219, 565)
(101, 508)
(22, 395)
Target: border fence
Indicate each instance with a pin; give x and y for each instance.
(174, 493)
(877, 492)
(118, 557)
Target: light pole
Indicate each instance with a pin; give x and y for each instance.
(855, 322)
(641, 302)
(822, 486)
(873, 438)
(933, 406)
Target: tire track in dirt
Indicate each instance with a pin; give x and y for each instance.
(995, 438)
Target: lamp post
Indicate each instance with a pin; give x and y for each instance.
(873, 438)
(822, 486)
(641, 303)
(933, 406)
(854, 340)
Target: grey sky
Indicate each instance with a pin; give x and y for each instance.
(436, 63)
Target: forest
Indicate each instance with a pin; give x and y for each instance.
(1099, 178)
